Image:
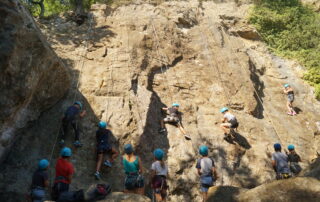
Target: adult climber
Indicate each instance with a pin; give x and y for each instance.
(293, 159)
(104, 147)
(172, 117)
(71, 117)
(40, 181)
(134, 181)
(280, 163)
(64, 173)
(229, 121)
(288, 90)
(207, 171)
(159, 173)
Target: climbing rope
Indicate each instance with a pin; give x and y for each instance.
(81, 59)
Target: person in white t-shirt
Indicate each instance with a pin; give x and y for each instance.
(159, 173)
(229, 121)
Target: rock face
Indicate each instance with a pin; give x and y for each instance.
(132, 60)
(31, 76)
(297, 189)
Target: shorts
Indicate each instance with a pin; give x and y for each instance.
(205, 183)
(290, 97)
(230, 125)
(38, 194)
(171, 119)
(103, 148)
(159, 183)
(133, 181)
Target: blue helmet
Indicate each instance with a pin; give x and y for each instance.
(224, 109)
(102, 124)
(66, 151)
(78, 103)
(43, 164)
(290, 147)
(128, 149)
(175, 105)
(277, 146)
(203, 150)
(286, 85)
(158, 154)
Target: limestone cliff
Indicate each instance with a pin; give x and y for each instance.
(32, 78)
(134, 59)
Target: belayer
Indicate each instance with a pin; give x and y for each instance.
(288, 90)
(207, 172)
(172, 116)
(229, 121)
(71, 117)
(159, 174)
(293, 159)
(40, 181)
(64, 173)
(280, 163)
(104, 147)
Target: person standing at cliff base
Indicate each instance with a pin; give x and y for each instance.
(64, 173)
(40, 181)
(72, 117)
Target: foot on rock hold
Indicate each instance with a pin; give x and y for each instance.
(289, 113)
(162, 130)
(107, 163)
(97, 175)
(187, 137)
(77, 143)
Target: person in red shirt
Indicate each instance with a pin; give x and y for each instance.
(64, 172)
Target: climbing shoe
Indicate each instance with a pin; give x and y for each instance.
(289, 113)
(162, 130)
(294, 113)
(61, 142)
(97, 175)
(107, 163)
(77, 143)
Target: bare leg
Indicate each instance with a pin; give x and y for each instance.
(204, 196)
(114, 155)
(289, 107)
(182, 129)
(162, 124)
(99, 161)
(140, 191)
(158, 197)
(225, 129)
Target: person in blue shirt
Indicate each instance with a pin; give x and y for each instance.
(104, 147)
(71, 117)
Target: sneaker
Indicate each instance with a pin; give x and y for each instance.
(289, 113)
(162, 130)
(107, 163)
(97, 175)
(294, 113)
(77, 143)
(61, 143)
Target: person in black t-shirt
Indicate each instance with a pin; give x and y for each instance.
(293, 159)
(173, 118)
(103, 147)
(40, 181)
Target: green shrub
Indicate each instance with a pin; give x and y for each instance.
(292, 30)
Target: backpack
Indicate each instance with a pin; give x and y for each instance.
(98, 191)
(71, 196)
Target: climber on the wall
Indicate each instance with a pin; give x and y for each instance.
(71, 117)
(229, 121)
(280, 163)
(104, 147)
(172, 117)
(159, 173)
(40, 181)
(290, 98)
(64, 173)
(206, 170)
(293, 159)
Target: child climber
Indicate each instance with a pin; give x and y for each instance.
(104, 147)
(173, 118)
(229, 121)
(290, 98)
(293, 159)
(159, 173)
(207, 171)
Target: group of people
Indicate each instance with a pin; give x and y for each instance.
(285, 165)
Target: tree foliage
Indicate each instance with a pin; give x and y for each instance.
(292, 30)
